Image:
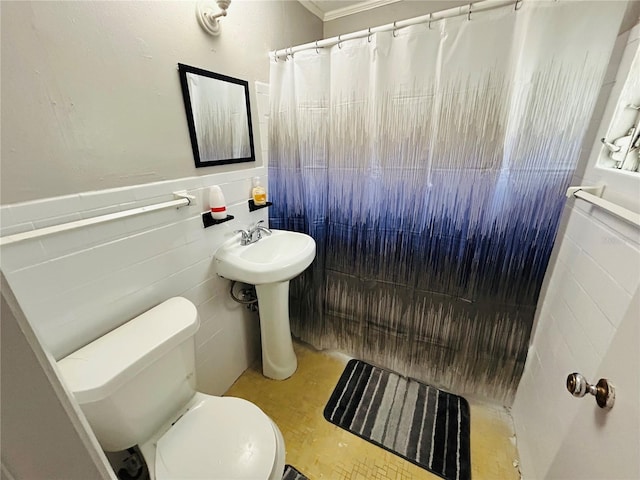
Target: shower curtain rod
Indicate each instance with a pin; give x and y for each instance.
(468, 10)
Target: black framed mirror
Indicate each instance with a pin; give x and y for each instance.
(218, 115)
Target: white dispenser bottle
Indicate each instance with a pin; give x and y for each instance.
(217, 203)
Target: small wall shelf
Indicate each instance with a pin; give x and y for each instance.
(209, 221)
(253, 206)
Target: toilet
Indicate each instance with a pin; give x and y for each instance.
(136, 386)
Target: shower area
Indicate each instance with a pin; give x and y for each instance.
(429, 161)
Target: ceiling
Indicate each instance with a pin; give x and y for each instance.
(327, 10)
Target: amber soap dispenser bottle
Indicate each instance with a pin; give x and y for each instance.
(258, 192)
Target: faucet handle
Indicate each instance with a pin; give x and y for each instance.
(245, 236)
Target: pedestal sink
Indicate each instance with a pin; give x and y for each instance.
(269, 264)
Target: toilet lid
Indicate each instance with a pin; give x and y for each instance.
(221, 437)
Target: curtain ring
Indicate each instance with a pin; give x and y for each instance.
(469, 14)
(275, 57)
(518, 5)
(430, 20)
(394, 29)
(317, 51)
(339, 42)
(369, 36)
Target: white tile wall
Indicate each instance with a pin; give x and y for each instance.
(577, 319)
(77, 285)
(590, 285)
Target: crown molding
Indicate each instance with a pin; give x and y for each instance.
(357, 8)
(312, 7)
(344, 11)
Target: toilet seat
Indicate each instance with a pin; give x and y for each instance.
(218, 438)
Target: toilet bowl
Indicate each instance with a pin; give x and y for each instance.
(136, 386)
(192, 447)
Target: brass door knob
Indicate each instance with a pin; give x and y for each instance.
(603, 390)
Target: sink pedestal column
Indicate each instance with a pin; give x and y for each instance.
(278, 358)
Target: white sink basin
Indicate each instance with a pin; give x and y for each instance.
(269, 264)
(274, 258)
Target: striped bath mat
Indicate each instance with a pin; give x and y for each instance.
(290, 473)
(420, 423)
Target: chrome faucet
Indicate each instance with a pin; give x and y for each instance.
(253, 233)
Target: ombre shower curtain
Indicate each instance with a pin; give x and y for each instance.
(430, 164)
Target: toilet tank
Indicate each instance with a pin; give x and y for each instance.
(136, 377)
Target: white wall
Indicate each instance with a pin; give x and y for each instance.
(608, 441)
(387, 14)
(93, 123)
(91, 99)
(78, 285)
(42, 437)
(588, 309)
(90, 92)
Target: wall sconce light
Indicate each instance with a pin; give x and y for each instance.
(208, 18)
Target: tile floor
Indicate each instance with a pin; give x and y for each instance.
(321, 450)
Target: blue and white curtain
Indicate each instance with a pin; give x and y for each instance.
(430, 165)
